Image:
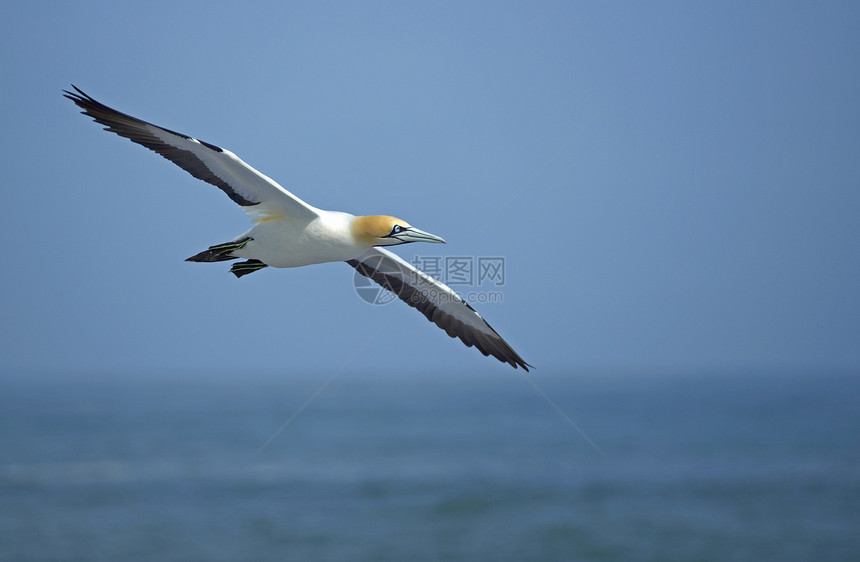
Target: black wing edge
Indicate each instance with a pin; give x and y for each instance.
(135, 130)
(487, 345)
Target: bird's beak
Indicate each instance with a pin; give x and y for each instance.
(414, 235)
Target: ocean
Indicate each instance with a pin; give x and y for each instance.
(418, 467)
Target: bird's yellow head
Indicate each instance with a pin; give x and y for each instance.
(383, 230)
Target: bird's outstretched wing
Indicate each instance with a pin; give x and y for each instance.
(260, 196)
(438, 302)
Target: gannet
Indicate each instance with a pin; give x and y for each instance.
(289, 232)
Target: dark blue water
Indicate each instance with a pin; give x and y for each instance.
(702, 468)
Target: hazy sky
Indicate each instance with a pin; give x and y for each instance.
(704, 216)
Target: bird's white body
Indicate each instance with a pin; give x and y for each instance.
(289, 232)
(295, 242)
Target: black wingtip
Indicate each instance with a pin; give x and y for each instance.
(82, 100)
(80, 95)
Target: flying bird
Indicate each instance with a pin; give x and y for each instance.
(289, 232)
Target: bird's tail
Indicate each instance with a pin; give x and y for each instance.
(221, 252)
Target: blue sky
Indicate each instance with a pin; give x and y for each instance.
(703, 217)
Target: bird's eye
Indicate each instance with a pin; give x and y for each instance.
(397, 229)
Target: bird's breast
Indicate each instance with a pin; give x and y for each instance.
(293, 243)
